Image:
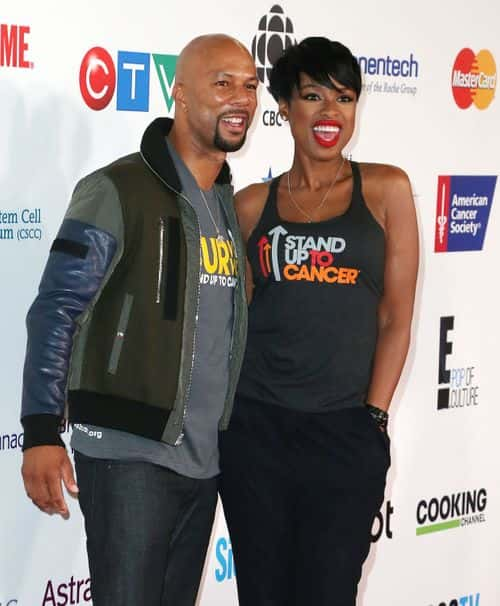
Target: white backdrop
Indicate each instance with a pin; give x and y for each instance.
(445, 460)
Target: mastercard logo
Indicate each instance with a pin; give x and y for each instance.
(474, 79)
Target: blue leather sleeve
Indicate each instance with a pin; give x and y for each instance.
(77, 265)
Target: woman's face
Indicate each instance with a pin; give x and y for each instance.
(321, 119)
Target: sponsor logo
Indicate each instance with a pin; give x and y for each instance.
(382, 523)
(224, 571)
(14, 46)
(386, 74)
(466, 600)
(11, 602)
(474, 78)
(274, 35)
(11, 441)
(458, 387)
(74, 591)
(130, 77)
(458, 510)
(288, 257)
(21, 224)
(404, 72)
(462, 212)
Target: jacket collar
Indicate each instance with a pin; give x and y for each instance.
(155, 152)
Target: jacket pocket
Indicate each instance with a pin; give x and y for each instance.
(121, 331)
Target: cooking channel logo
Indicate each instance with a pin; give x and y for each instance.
(457, 510)
(458, 386)
(474, 79)
(462, 212)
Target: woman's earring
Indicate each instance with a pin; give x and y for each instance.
(284, 117)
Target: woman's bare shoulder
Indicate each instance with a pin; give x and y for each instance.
(249, 203)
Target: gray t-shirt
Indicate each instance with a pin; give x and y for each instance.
(197, 456)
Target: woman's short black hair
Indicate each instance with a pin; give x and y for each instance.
(321, 59)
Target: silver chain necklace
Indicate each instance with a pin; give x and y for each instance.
(219, 235)
(308, 216)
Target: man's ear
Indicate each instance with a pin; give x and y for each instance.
(178, 93)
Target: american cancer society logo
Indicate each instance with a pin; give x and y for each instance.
(462, 212)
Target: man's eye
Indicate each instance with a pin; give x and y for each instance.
(252, 86)
(222, 83)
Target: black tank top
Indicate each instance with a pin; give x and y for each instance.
(313, 315)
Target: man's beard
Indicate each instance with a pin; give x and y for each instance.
(227, 146)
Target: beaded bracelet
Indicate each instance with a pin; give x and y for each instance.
(380, 416)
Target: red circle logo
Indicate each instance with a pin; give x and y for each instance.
(474, 78)
(97, 78)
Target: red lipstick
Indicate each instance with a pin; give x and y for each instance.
(327, 132)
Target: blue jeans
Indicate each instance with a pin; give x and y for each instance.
(147, 529)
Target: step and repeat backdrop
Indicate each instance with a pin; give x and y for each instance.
(79, 82)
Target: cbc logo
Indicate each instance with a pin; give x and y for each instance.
(275, 34)
(272, 118)
(474, 79)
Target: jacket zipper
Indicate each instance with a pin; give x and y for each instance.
(160, 259)
(188, 390)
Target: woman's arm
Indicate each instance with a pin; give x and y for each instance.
(249, 204)
(400, 274)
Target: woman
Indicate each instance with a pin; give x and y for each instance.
(332, 252)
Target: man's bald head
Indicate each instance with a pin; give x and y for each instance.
(206, 48)
(215, 93)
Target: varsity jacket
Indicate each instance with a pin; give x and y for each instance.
(112, 331)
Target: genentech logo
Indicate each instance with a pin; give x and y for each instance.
(466, 600)
(14, 46)
(462, 212)
(474, 78)
(457, 510)
(458, 387)
(99, 76)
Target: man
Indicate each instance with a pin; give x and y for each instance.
(139, 325)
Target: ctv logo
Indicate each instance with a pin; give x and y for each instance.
(462, 212)
(458, 387)
(474, 79)
(131, 77)
(14, 46)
